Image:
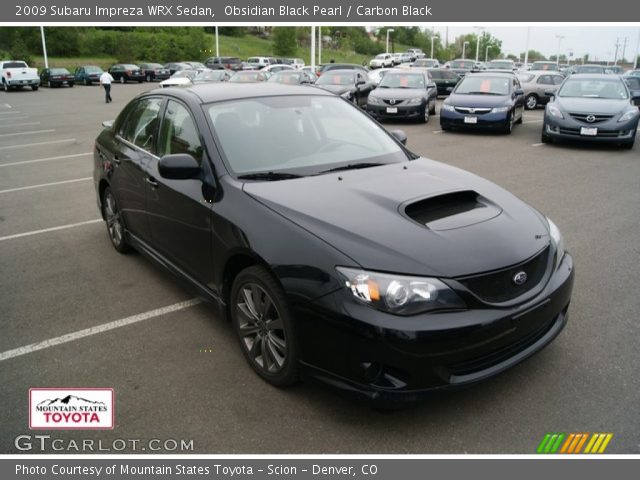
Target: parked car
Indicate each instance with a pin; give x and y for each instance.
(258, 62)
(415, 53)
(335, 252)
(249, 76)
(154, 71)
(277, 67)
(489, 101)
(508, 65)
(297, 63)
(224, 63)
(615, 69)
(126, 72)
(397, 58)
(88, 74)
(632, 73)
(404, 95)
(382, 60)
(293, 77)
(405, 58)
(17, 74)
(633, 84)
(597, 69)
(426, 63)
(327, 67)
(462, 67)
(545, 66)
(536, 84)
(213, 76)
(182, 78)
(56, 77)
(445, 80)
(174, 67)
(352, 85)
(592, 108)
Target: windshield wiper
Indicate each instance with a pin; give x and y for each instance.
(351, 166)
(268, 176)
(483, 93)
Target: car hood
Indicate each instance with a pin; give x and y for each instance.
(337, 89)
(476, 101)
(591, 105)
(398, 93)
(362, 214)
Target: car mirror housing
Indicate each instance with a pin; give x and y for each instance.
(519, 91)
(400, 136)
(550, 93)
(178, 166)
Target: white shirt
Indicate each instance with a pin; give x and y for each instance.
(106, 78)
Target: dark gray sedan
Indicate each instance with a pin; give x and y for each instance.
(404, 94)
(596, 108)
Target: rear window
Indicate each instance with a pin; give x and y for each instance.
(59, 71)
(15, 65)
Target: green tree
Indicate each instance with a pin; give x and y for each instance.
(284, 41)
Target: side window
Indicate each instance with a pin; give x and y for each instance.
(557, 79)
(545, 80)
(178, 132)
(141, 124)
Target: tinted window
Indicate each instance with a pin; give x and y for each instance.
(178, 133)
(593, 88)
(142, 123)
(545, 80)
(402, 80)
(557, 79)
(14, 65)
(478, 85)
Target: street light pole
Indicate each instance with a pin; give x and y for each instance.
(388, 32)
(44, 48)
(486, 54)
(635, 57)
(319, 45)
(559, 37)
(313, 49)
(217, 43)
(464, 45)
(433, 34)
(480, 29)
(615, 55)
(526, 51)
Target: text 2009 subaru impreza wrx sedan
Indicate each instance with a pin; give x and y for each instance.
(336, 253)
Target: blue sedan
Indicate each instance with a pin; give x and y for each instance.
(489, 101)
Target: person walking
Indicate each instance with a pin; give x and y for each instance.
(105, 81)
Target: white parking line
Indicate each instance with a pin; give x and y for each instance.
(26, 133)
(536, 144)
(4, 119)
(105, 327)
(437, 131)
(532, 121)
(47, 230)
(13, 111)
(66, 140)
(45, 185)
(48, 159)
(19, 124)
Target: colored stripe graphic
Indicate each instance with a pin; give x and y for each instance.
(573, 443)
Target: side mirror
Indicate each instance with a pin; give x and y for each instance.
(400, 136)
(518, 91)
(360, 82)
(449, 89)
(108, 124)
(550, 93)
(431, 85)
(178, 166)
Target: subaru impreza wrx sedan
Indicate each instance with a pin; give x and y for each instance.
(335, 252)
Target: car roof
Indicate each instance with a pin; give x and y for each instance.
(217, 92)
(492, 74)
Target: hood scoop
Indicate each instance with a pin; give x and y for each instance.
(451, 210)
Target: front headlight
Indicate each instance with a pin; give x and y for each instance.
(557, 239)
(374, 100)
(414, 101)
(628, 115)
(500, 109)
(554, 111)
(397, 294)
(448, 108)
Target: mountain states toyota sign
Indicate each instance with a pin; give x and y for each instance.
(71, 408)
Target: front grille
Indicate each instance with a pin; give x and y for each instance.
(473, 111)
(590, 118)
(393, 102)
(499, 286)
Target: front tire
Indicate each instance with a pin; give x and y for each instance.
(34, 87)
(115, 225)
(531, 102)
(264, 326)
(509, 127)
(425, 114)
(433, 107)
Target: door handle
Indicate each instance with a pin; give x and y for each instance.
(152, 181)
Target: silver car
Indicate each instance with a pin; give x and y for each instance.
(536, 83)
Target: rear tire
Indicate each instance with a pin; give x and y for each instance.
(264, 326)
(5, 85)
(531, 102)
(115, 224)
(49, 84)
(433, 107)
(86, 82)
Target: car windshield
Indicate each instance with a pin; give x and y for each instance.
(184, 74)
(526, 77)
(593, 88)
(337, 78)
(289, 78)
(382, 56)
(59, 71)
(443, 75)
(402, 80)
(461, 64)
(424, 63)
(210, 75)
(154, 65)
(481, 85)
(594, 69)
(299, 134)
(544, 66)
(131, 67)
(245, 77)
(501, 65)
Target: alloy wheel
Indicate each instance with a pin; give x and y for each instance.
(532, 102)
(114, 222)
(261, 329)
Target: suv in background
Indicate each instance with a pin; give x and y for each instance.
(221, 63)
(258, 62)
(382, 60)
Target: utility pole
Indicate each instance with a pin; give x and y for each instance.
(313, 49)
(44, 48)
(526, 50)
(433, 34)
(480, 29)
(217, 43)
(624, 49)
(319, 45)
(559, 37)
(615, 55)
(635, 57)
(464, 47)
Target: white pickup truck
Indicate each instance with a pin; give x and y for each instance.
(17, 74)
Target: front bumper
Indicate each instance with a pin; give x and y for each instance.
(402, 111)
(485, 121)
(386, 358)
(610, 131)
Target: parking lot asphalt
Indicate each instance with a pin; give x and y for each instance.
(181, 375)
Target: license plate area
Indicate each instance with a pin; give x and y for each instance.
(471, 120)
(392, 109)
(589, 131)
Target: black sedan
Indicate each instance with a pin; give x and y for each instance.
(336, 253)
(592, 108)
(154, 71)
(352, 85)
(404, 95)
(445, 80)
(126, 72)
(489, 101)
(56, 77)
